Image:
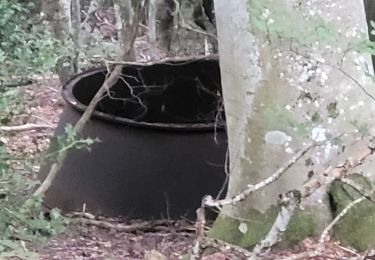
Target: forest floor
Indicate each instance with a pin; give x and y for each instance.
(42, 104)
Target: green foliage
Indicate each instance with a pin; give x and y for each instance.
(357, 228)
(70, 140)
(22, 223)
(275, 20)
(11, 103)
(25, 44)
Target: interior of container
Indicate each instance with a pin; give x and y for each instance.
(176, 93)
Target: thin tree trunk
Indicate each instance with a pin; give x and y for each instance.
(76, 26)
(124, 16)
(152, 21)
(58, 13)
(165, 10)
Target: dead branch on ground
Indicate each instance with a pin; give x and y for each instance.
(25, 127)
(151, 226)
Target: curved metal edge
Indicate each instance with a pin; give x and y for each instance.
(71, 100)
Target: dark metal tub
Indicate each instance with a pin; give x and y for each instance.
(163, 146)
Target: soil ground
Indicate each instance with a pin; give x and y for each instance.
(43, 105)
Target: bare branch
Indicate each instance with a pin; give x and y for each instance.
(25, 127)
(331, 174)
(288, 202)
(323, 237)
(108, 83)
(210, 202)
(186, 26)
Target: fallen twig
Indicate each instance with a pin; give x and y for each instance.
(25, 127)
(154, 226)
(225, 247)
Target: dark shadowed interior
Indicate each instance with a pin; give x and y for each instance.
(172, 93)
(162, 167)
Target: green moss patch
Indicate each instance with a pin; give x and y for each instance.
(228, 229)
(357, 228)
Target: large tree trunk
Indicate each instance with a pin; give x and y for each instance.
(289, 78)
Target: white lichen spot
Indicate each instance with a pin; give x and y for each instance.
(266, 13)
(361, 103)
(288, 107)
(277, 137)
(327, 150)
(316, 103)
(289, 150)
(249, 140)
(243, 228)
(318, 134)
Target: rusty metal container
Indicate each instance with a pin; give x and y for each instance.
(162, 142)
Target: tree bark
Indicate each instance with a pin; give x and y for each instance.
(124, 16)
(164, 16)
(76, 27)
(289, 79)
(370, 16)
(58, 14)
(152, 21)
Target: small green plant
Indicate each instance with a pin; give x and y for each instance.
(22, 224)
(11, 104)
(26, 46)
(70, 140)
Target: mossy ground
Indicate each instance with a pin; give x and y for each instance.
(226, 228)
(357, 228)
